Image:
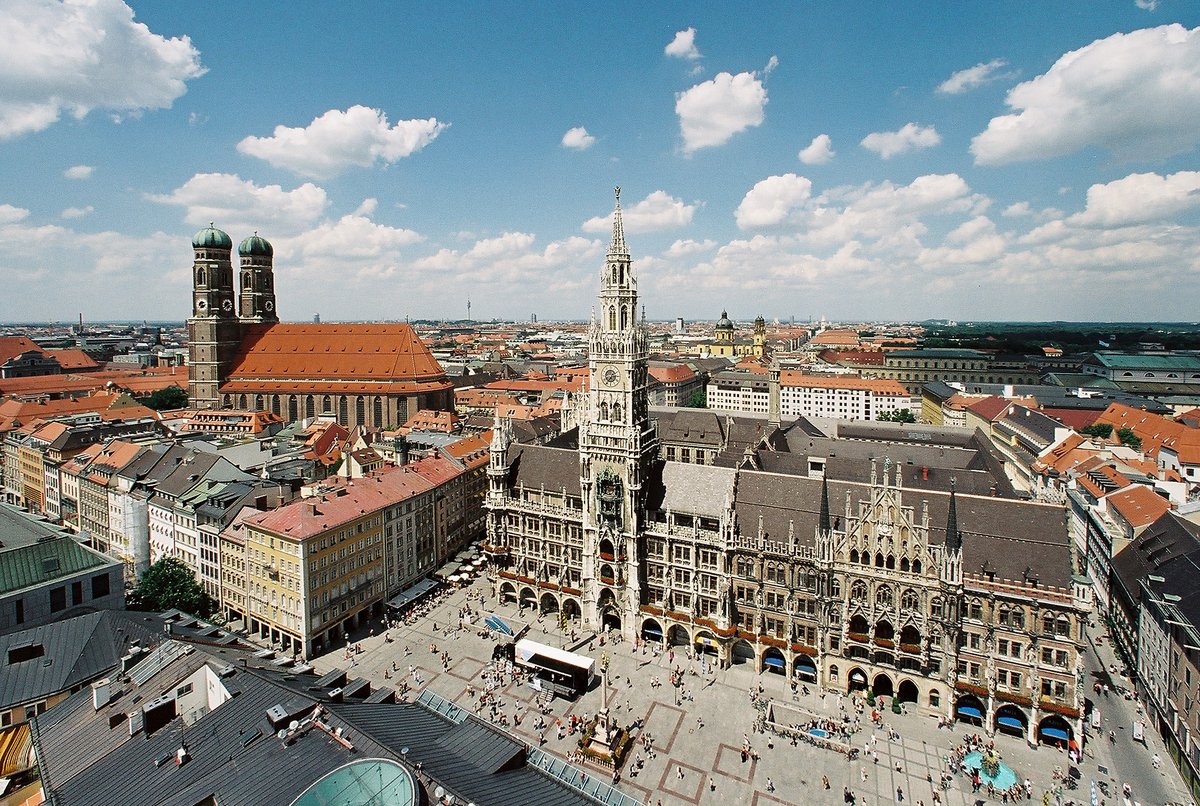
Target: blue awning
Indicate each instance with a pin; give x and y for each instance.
(776, 662)
(1055, 733)
(1010, 721)
(651, 629)
(970, 710)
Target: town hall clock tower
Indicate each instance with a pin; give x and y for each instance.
(617, 445)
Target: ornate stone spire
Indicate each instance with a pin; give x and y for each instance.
(953, 538)
(824, 523)
(617, 247)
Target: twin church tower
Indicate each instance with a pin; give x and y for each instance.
(215, 326)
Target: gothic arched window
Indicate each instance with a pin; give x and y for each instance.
(624, 317)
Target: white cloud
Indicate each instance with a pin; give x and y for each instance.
(338, 140)
(235, 204)
(367, 207)
(1136, 95)
(75, 57)
(79, 172)
(578, 139)
(771, 200)
(683, 248)
(353, 238)
(908, 137)
(971, 78)
(1146, 5)
(683, 46)
(78, 212)
(818, 152)
(658, 211)
(713, 111)
(1138, 199)
(10, 214)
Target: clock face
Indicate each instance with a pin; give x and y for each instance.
(610, 376)
(270, 306)
(227, 305)
(201, 304)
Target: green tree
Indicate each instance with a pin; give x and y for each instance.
(166, 399)
(697, 400)
(168, 584)
(1129, 439)
(1099, 430)
(897, 416)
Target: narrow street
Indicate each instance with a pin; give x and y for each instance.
(1126, 760)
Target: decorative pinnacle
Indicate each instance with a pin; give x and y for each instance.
(617, 247)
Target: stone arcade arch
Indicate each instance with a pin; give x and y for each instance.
(508, 592)
(773, 661)
(743, 652)
(856, 680)
(548, 604)
(805, 668)
(907, 692)
(970, 709)
(652, 631)
(1011, 719)
(528, 598)
(883, 686)
(678, 636)
(1056, 731)
(571, 609)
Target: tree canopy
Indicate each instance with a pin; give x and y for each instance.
(1129, 439)
(166, 399)
(168, 584)
(897, 416)
(696, 401)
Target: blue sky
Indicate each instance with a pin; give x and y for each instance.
(850, 160)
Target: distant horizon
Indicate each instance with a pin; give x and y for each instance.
(746, 320)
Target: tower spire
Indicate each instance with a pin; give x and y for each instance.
(953, 538)
(824, 523)
(617, 247)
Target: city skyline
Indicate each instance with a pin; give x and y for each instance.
(857, 162)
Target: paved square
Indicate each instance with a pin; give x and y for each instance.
(712, 753)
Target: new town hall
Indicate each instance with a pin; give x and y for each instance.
(964, 605)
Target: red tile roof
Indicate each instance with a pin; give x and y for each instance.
(307, 517)
(990, 408)
(334, 358)
(1138, 505)
(13, 346)
(673, 374)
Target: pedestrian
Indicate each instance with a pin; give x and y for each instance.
(770, 784)
(679, 770)
(825, 780)
(899, 794)
(712, 785)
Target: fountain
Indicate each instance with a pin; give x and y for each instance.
(991, 769)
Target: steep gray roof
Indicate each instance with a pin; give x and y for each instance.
(696, 489)
(1000, 536)
(538, 466)
(73, 651)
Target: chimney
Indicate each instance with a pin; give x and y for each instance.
(101, 693)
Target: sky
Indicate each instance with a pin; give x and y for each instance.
(855, 160)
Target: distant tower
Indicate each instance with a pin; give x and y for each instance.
(468, 309)
(723, 332)
(760, 336)
(257, 281)
(214, 332)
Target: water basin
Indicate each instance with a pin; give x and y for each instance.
(1004, 778)
(819, 733)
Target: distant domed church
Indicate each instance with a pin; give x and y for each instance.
(724, 343)
(241, 356)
